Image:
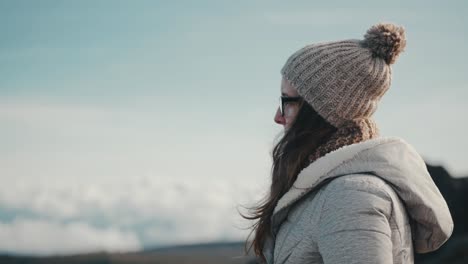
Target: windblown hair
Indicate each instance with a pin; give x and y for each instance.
(290, 155)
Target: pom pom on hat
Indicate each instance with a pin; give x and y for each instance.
(386, 41)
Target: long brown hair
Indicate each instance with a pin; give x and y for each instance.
(290, 155)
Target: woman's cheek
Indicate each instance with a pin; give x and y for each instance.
(290, 112)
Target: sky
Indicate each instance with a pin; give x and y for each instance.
(127, 125)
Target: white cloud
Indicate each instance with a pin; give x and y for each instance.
(39, 237)
(157, 210)
(129, 169)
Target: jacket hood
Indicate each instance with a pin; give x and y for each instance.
(397, 163)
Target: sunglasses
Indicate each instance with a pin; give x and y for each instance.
(283, 100)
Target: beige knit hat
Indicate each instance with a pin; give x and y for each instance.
(344, 80)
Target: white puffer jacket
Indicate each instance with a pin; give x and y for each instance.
(371, 202)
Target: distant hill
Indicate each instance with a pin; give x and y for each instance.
(229, 253)
(455, 251)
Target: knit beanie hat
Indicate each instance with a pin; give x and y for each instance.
(344, 80)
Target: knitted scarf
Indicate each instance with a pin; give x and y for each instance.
(351, 132)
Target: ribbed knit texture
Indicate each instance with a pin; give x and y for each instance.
(345, 80)
(351, 132)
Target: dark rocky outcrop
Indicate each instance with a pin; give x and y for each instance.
(455, 192)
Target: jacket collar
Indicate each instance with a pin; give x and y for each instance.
(397, 163)
(321, 169)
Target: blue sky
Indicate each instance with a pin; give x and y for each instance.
(131, 124)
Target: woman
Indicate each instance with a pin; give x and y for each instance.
(340, 193)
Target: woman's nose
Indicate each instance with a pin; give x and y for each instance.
(278, 118)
